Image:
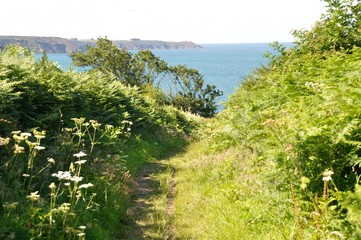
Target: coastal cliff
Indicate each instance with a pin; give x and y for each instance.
(64, 45)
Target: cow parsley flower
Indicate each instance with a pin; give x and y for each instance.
(34, 196)
(80, 154)
(76, 179)
(80, 162)
(327, 175)
(87, 185)
(51, 160)
(328, 178)
(62, 175)
(39, 148)
(25, 134)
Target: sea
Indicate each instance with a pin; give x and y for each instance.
(222, 65)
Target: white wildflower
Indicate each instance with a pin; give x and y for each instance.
(34, 196)
(25, 134)
(52, 186)
(39, 148)
(328, 178)
(39, 136)
(87, 185)
(26, 175)
(76, 179)
(328, 173)
(64, 207)
(80, 162)
(80, 154)
(51, 160)
(82, 227)
(62, 175)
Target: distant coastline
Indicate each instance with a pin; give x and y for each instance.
(65, 45)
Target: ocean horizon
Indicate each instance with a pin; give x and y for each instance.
(222, 65)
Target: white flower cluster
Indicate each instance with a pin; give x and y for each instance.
(79, 154)
(67, 176)
(62, 175)
(80, 162)
(327, 175)
(87, 185)
(34, 196)
(65, 207)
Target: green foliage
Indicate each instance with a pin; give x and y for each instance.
(301, 113)
(51, 203)
(143, 69)
(48, 191)
(339, 28)
(189, 94)
(148, 69)
(351, 202)
(106, 58)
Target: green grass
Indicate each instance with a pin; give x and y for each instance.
(227, 196)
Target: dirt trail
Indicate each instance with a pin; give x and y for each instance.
(147, 219)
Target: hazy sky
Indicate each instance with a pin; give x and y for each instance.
(202, 21)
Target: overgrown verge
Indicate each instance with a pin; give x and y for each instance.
(282, 161)
(301, 114)
(70, 144)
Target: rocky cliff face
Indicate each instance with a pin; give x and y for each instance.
(63, 45)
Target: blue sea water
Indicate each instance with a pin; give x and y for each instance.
(223, 65)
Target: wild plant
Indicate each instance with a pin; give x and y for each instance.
(334, 215)
(62, 209)
(91, 132)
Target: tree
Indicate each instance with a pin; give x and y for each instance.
(190, 94)
(108, 59)
(339, 28)
(143, 69)
(148, 69)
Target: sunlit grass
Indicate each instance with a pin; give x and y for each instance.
(225, 196)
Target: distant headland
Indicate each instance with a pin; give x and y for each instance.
(65, 45)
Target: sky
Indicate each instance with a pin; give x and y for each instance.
(202, 21)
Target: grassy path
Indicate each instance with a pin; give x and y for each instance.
(153, 203)
(198, 195)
